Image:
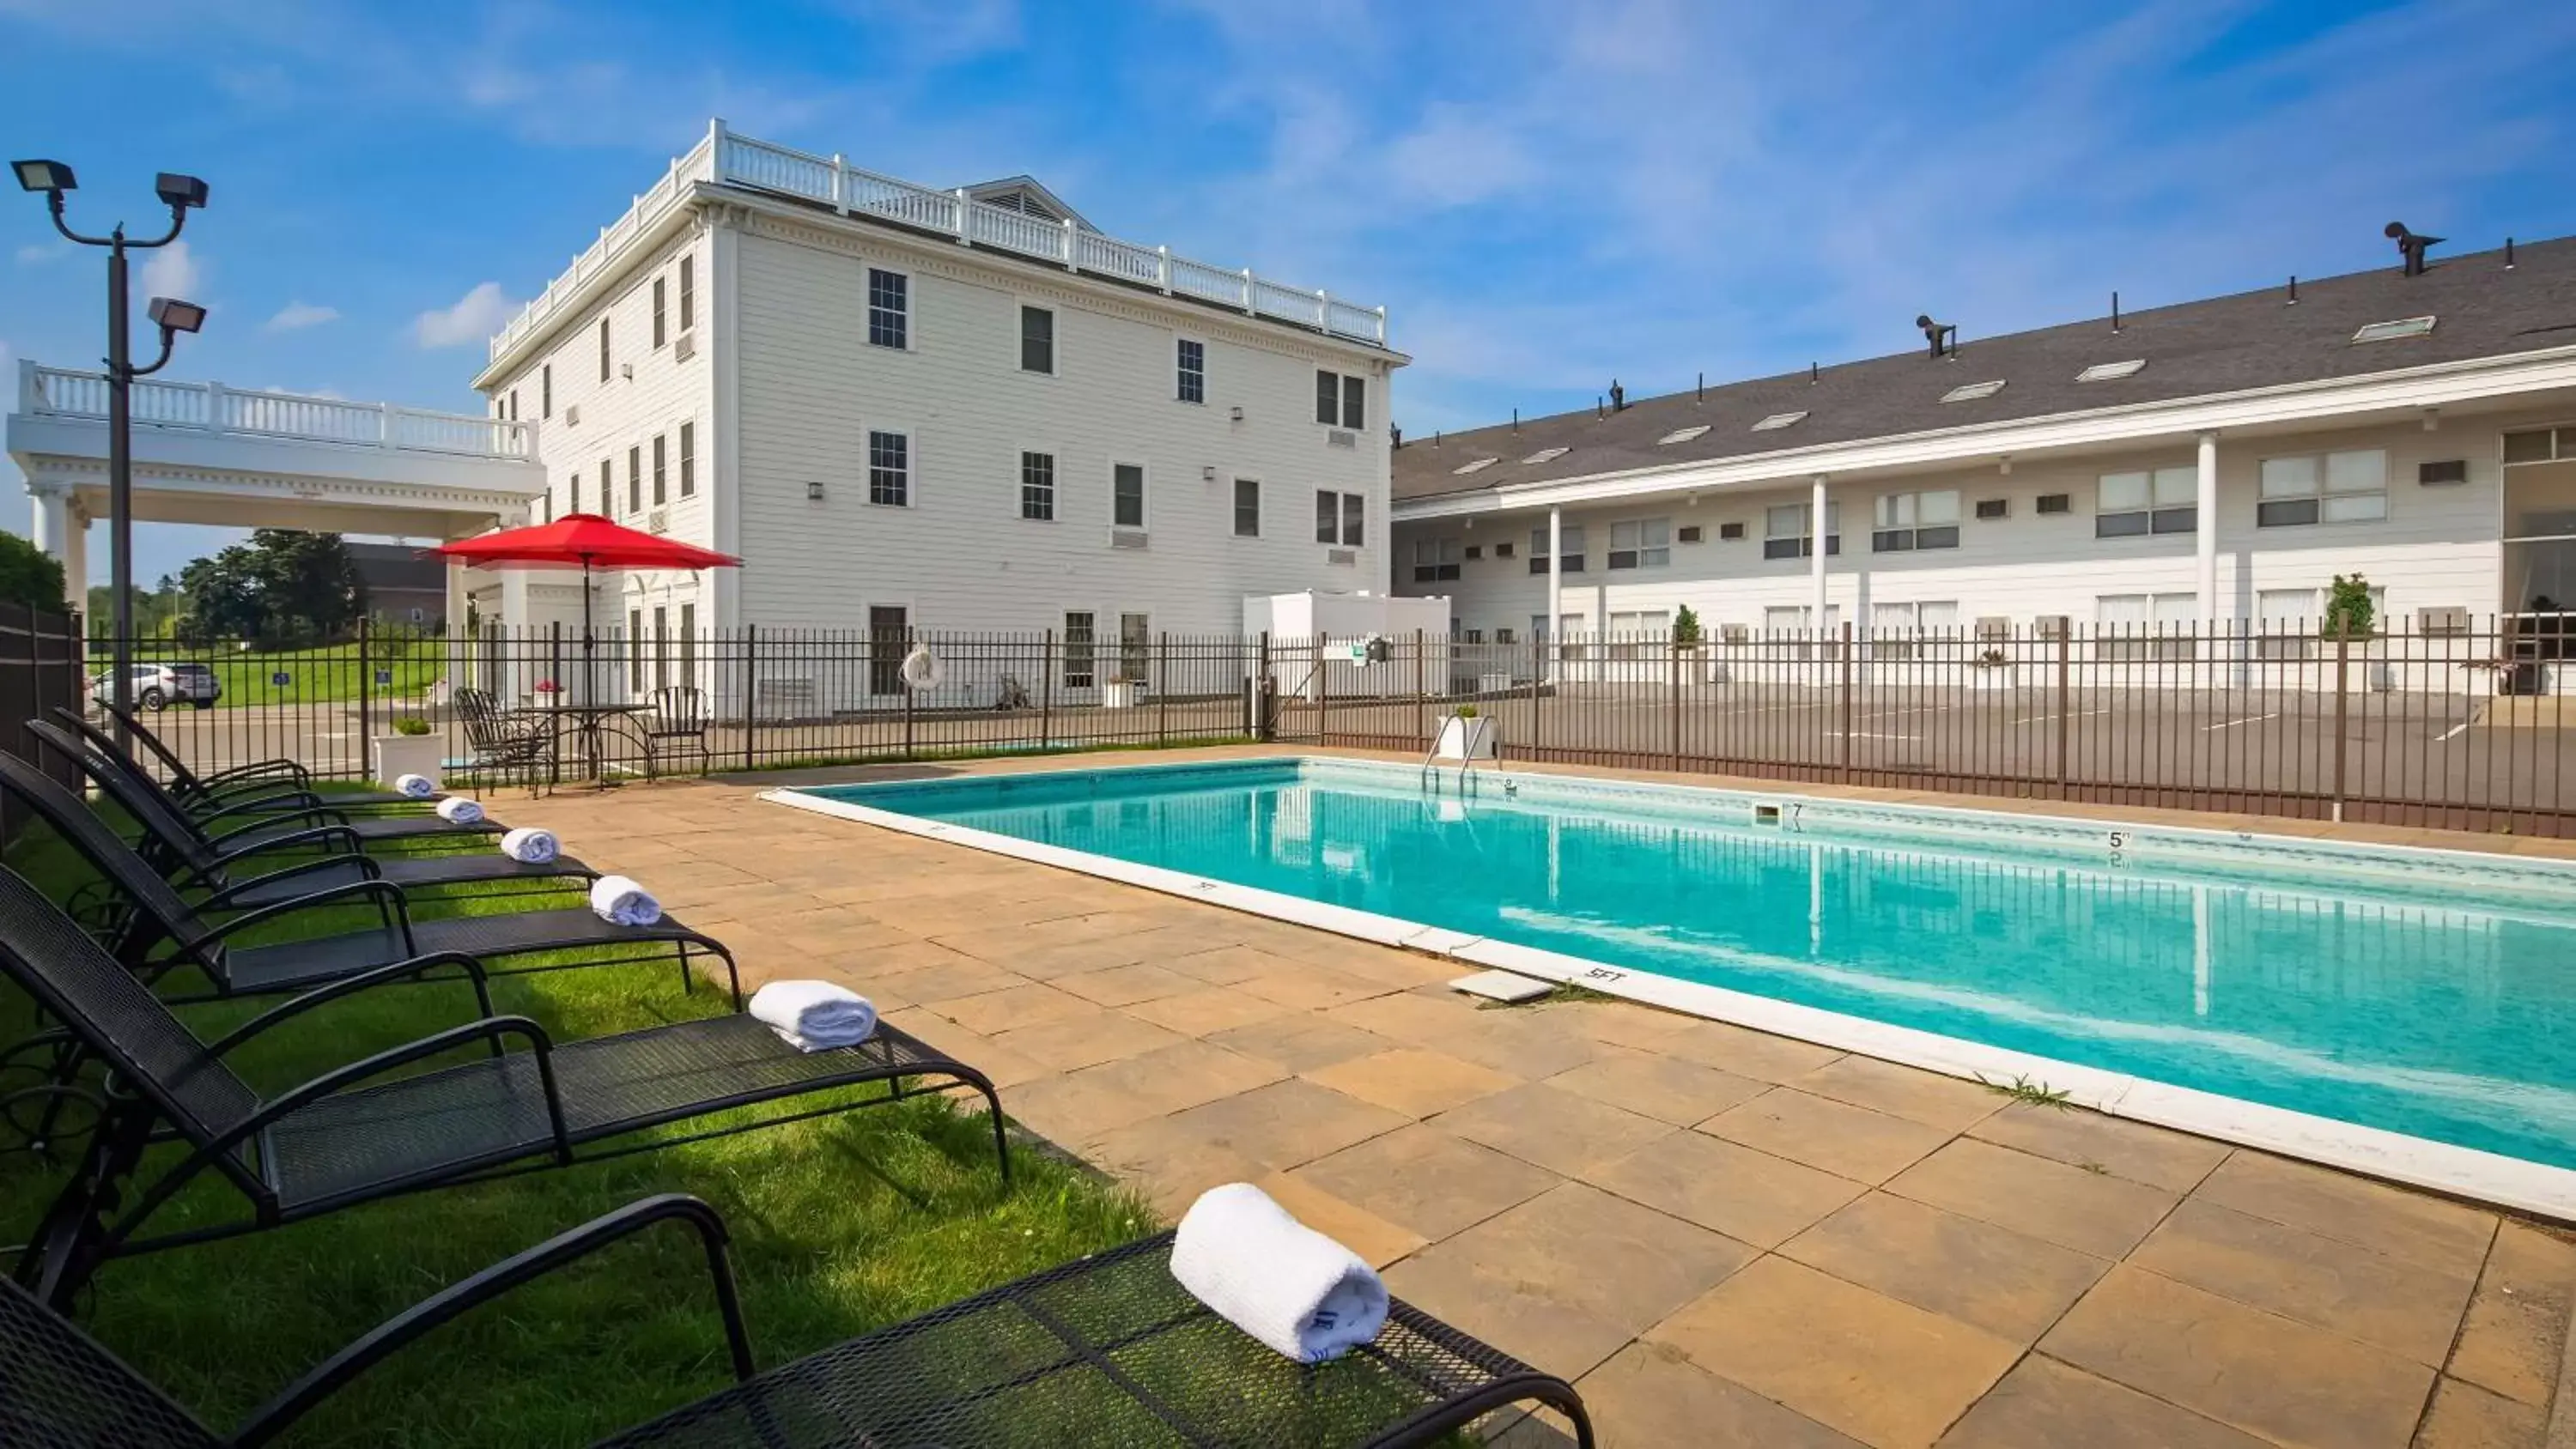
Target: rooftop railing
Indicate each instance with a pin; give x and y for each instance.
(212, 407)
(723, 157)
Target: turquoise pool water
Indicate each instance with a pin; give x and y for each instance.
(2424, 1000)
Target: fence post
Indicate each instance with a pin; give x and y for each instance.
(906, 686)
(1046, 690)
(2065, 705)
(1421, 701)
(1163, 688)
(750, 691)
(2343, 662)
(1673, 686)
(1843, 701)
(366, 694)
(1323, 688)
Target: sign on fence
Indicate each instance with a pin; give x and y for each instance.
(281, 679)
(384, 676)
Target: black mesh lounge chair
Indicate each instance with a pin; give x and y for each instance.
(1105, 1353)
(156, 930)
(366, 1130)
(264, 823)
(240, 785)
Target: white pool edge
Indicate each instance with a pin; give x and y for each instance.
(2489, 1177)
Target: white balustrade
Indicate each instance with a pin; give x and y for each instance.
(213, 407)
(726, 158)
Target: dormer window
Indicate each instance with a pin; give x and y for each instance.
(2391, 331)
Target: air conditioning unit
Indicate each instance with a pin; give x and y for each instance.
(658, 521)
(2049, 626)
(1475, 550)
(2445, 473)
(1730, 530)
(1342, 557)
(2056, 503)
(1502, 550)
(1689, 533)
(1733, 633)
(1993, 507)
(1126, 538)
(572, 416)
(1994, 626)
(1338, 438)
(685, 348)
(2443, 620)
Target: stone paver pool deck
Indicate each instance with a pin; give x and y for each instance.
(1725, 1238)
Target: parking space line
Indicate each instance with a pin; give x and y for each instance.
(2452, 733)
(2233, 723)
(2046, 718)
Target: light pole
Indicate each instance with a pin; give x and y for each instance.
(170, 315)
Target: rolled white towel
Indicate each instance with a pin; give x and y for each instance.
(531, 845)
(418, 787)
(622, 902)
(1278, 1280)
(457, 810)
(814, 1016)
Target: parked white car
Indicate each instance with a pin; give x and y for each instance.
(158, 686)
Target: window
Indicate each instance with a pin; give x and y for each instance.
(688, 319)
(1895, 630)
(2285, 622)
(661, 471)
(889, 634)
(2145, 626)
(1778, 421)
(688, 459)
(1135, 647)
(2131, 505)
(688, 617)
(1644, 543)
(573, 503)
(1436, 559)
(603, 349)
(1340, 517)
(660, 332)
(2323, 488)
(2540, 446)
(1247, 508)
(1354, 519)
(635, 651)
(550, 506)
(1681, 435)
(635, 479)
(1784, 531)
(514, 404)
(607, 485)
(1077, 651)
(1127, 495)
(1633, 633)
(546, 391)
(889, 469)
(1037, 340)
(890, 311)
(661, 647)
(1341, 401)
(1915, 521)
(2107, 371)
(1569, 538)
(1971, 391)
(2391, 331)
(1192, 377)
(1037, 486)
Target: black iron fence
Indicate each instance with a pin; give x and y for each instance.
(40, 669)
(2461, 727)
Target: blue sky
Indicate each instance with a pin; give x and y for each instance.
(1543, 195)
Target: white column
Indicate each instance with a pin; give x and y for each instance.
(2205, 529)
(75, 558)
(1816, 560)
(51, 533)
(1555, 586)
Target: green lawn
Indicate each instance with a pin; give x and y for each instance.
(839, 1225)
(314, 676)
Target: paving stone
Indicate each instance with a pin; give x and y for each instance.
(1744, 1052)
(1651, 1394)
(2516, 1328)
(1992, 1278)
(2317, 1280)
(1306, 986)
(1909, 1092)
(1004, 1065)
(1125, 985)
(2089, 1212)
(1563, 1280)
(1426, 1181)
(1289, 1122)
(2173, 1161)
(1885, 1373)
(1363, 1232)
(1206, 1010)
(950, 979)
(1017, 1006)
(2465, 1416)
(1221, 965)
(1071, 1043)
(2044, 1404)
(1747, 1195)
(2446, 1236)
(1077, 1107)
(2257, 1371)
(1665, 1088)
(1170, 1160)
(1300, 1041)
(1413, 1080)
(1558, 1130)
(1845, 1140)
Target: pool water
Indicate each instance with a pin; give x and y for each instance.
(2440, 1007)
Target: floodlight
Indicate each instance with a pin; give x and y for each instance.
(172, 315)
(44, 175)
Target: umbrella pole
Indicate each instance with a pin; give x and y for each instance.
(589, 681)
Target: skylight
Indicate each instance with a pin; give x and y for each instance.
(2105, 371)
(1682, 435)
(2391, 331)
(1544, 455)
(1971, 391)
(1777, 420)
(1465, 468)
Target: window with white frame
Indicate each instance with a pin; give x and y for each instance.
(546, 391)
(1900, 630)
(661, 328)
(1037, 486)
(661, 469)
(2145, 626)
(1570, 541)
(1785, 535)
(1127, 495)
(1078, 640)
(688, 301)
(1135, 647)
(1340, 517)
(889, 469)
(2349, 487)
(1190, 378)
(1354, 519)
(1341, 401)
(1436, 560)
(1909, 521)
(603, 349)
(635, 479)
(608, 486)
(1641, 543)
(1635, 632)
(1037, 340)
(890, 309)
(2145, 501)
(2285, 622)
(1247, 508)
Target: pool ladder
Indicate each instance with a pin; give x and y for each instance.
(1431, 762)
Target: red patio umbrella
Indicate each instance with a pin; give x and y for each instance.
(584, 541)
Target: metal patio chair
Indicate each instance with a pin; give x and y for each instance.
(1105, 1353)
(505, 740)
(384, 1125)
(154, 930)
(241, 786)
(679, 717)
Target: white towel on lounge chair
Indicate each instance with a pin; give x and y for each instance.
(1278, 1280)
(622, 902)
(531, 845)
(418, 787)
(814, 1016)
(457, 810)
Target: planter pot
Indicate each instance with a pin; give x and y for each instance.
(1465, 739)
(400, 755)
(1118, 694)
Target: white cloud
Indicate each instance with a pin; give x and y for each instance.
(296, 316)
(173, 271)
(38, 253)
(475, 317)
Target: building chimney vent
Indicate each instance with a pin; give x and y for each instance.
(1618, 397)
(2410, 246)
(1944, 336)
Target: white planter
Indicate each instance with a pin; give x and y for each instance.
(1465, 739)
(400, 755)
(1118, 694)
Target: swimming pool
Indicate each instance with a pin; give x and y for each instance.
(2429, 994)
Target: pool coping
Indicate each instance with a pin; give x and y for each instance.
(2488, 1177)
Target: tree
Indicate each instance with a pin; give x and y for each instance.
(282, 587)
(28, 576)
(1686, 627)
(2349, 609)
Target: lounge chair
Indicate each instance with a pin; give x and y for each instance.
(377, 1127)
(156, 930)
(1105, 1353)
(242, 784)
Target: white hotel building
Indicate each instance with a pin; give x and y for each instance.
(908, 408)
(2215, 461)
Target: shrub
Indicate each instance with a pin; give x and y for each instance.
(1686, 627)
(2348, 607)
(411, 724)
(28, 576)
